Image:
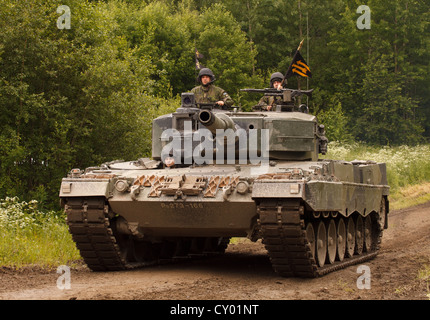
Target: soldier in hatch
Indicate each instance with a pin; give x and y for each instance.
(266, 103)
(207, 92)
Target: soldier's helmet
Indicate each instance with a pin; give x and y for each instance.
(277, 76)
(206, 72)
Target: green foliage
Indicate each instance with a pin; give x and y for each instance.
(336, 123)
(83, 96)
(373, 73)
(228, 53)
(69, 98)
(30, 236)
(387, 115)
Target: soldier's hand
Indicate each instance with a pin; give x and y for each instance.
(221, 103)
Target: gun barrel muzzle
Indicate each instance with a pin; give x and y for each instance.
(214, 122)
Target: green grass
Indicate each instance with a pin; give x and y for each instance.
(424, 275)
(410, 196)
(31, 237)
(37, 247)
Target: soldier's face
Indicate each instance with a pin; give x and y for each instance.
(205, 80)
(276, 84)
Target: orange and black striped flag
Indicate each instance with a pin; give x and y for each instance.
(298, 67)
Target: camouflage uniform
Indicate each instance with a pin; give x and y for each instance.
(266, 101)
(211, 94)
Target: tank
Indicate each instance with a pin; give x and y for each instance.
(215, 174)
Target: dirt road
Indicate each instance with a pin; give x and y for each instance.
(244, 272)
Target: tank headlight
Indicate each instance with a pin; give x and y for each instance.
(121, 185)
(242, 187)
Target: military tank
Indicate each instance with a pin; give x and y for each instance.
(216, 174)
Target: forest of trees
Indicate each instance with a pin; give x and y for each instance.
(80, 96)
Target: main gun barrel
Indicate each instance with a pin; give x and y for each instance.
(213, 122)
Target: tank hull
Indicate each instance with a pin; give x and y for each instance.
(214, 203)
(322, 186)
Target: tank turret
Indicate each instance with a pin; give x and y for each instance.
(281, 135)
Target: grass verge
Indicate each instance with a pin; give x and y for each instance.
(410, 196)
(31, 237)
(424, 275)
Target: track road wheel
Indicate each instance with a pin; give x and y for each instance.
(321, 244)
(368, 239)
(382, 215)
(310, 236)
(341, 239)
(350, 237)
(359, 235)
(331, 241)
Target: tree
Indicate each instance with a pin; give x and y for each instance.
(226, 49)
(68, 98)
(388, 115)
(371, 74)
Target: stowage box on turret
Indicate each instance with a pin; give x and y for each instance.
(216, 174)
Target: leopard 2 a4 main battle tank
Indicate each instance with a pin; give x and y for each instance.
(216, 174)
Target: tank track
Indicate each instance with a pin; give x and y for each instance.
(93, 230)
(282, 227)
(281, 223)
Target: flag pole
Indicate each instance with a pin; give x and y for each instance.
(307, 52)
(300, 45)
(294, 57)
(298, 78)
